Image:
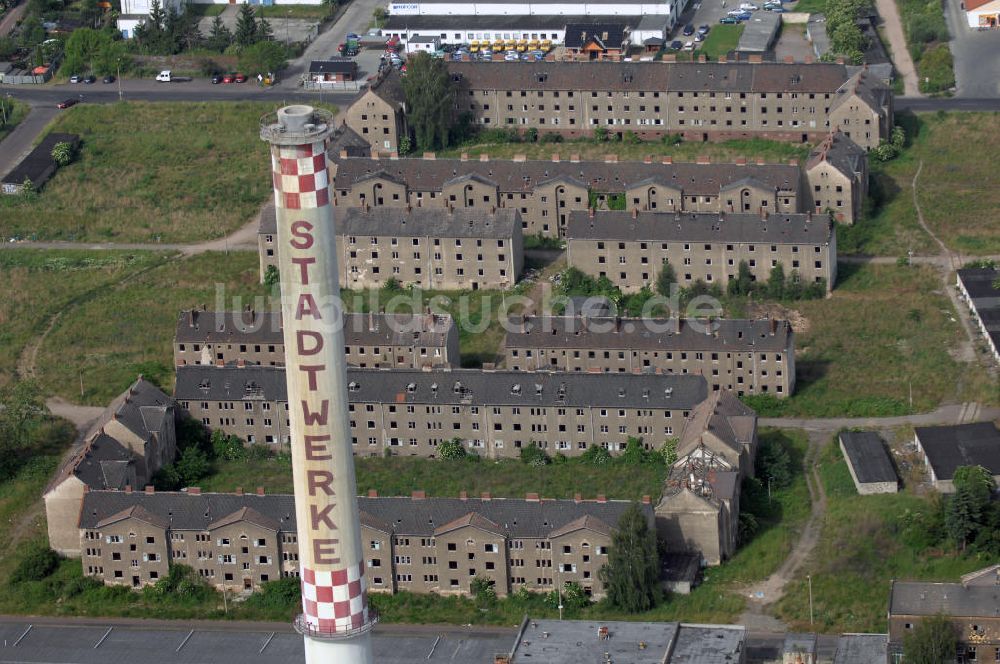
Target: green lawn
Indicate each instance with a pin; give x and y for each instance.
(176, 172)
(771, 151)
(721, 40)
(204, 10)
(865, 543)
(38, 284)
(884, 329)
(120, 332)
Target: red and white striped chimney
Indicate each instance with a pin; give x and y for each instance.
(336, 620)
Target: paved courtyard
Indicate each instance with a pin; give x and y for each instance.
(977, 55)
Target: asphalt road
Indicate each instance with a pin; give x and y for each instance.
(976, 55)
(18, 143)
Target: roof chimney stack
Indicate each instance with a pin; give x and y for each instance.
(260, 491)
(418, 495)
(372, 493)
(150, 488)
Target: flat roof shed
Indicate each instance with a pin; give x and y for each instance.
(869, 463)
(38, 166)
(947, 448)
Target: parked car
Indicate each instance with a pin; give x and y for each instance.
(699, 37)
(90, 78)
(240, 78)
(749, 6)
(689, 46)
(729, 20)
(229, 78)
(511, 56)
(703, 29)
(688, 29)
(66, 103)
(745, 16)
(108, 79)
(75, 78)
(675, 45)
(216, 79)
(351, 35)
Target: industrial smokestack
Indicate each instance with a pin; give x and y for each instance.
(335, 621)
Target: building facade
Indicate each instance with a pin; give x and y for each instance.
(701, 101)
(132, 439)
(434, 248)
(699, 509)
(546, 192)
(399, 341)
(419, 544)
(630, 248)
(970, 606)
(837, 177)
(441, 248)
(379, 114)
(743, 356)
(493, 413)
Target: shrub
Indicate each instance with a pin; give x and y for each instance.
(531, 135)
(774, 463)
(596, 456)
(38, 563)
(452, 449)
(552, 138)
(483, 590)
(533, 455)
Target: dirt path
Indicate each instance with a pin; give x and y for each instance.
(29, 354)
(901, 58)
(11, 18)
(765, 593)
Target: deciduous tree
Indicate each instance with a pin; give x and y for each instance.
(932, 641)
(430, 98)
(631, 575)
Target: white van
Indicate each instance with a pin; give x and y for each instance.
(163, 76)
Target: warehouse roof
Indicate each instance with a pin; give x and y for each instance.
(606, 177)
(642, 334)
(700, 227)
(652, 76)
(759, 32)
(709, 644)
(479, 23)
(867, 456)
(404, 515)
(383, 220)
(234, 327)
(580, 642)
(950, 447)
(915, 598)
(457, 386)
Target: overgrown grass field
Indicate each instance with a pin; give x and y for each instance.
(721, 40)
(884, 330)
(509, 478)
(865, 543)
(128, 329)
(147, 172)
(587, 149)
(39, 284)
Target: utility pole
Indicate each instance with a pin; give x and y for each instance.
(810, 580)
(120, 96)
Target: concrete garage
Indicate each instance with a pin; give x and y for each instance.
(947, 448)
(869, 463)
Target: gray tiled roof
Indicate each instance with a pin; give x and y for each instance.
(102, 463)
(458, 386)
(914, 598)
(429, 222)
(523, 176)
(652, 76)
(861, 649)
(978, 282)
(577, 34)
(334, 66)
(516, 517)
(949, 447)
(868, 457)
(700, 227)
(236, 327)
(729, 334)
(840, 152)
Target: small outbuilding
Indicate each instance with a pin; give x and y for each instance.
(38, 166)
(947, 448)
(869, 463)
(336, 69)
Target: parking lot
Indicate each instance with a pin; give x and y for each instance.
(707, 12)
